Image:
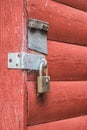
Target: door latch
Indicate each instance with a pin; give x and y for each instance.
(23, 60)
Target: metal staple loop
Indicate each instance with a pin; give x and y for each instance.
(43, 63)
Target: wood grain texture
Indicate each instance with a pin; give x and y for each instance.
(65, 100)
(65, 24)
(78, 4)
(65, 62)
(79, 123)
(12, 86)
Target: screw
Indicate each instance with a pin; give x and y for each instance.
(10, 60)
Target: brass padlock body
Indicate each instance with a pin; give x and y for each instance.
(43, 84)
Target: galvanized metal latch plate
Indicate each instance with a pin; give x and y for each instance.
(24, 60)
(37, 35)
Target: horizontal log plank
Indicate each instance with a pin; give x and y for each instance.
(78, 4)
(69, 124)
(79, 123)
(65, 62)
(66, 24)
(65, 100)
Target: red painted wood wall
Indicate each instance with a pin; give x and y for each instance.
(65, 106)
(78, 4)
(12, 82)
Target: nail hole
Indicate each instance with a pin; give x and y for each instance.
(16, 65)
(10, 60)
(18, 55)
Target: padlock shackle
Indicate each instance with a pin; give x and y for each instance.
(42, 64)
(46, 70)
(44, 61)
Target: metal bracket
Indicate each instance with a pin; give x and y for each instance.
(37, 35)
(24, 60)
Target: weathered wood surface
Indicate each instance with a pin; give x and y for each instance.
(12, 87)
(65, 23)
(65, 100)
(12, 82)
(65, 62)
(79, 123)
(78, 4)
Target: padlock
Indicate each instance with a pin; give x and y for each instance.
(43, 82)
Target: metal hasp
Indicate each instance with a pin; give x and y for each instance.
(37, 35)
(24, 60)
